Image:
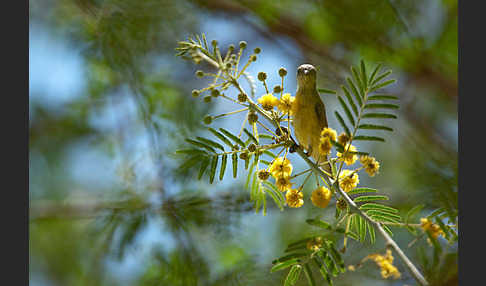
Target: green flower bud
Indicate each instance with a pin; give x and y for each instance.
(263, 175)
(257, 50)
(199, 73)
(207, 98)
(341, 204)
(253, 58)
(277, 89)
(228, 65)
(282, 72)
(214, 43)
(242, 97)
(262, 76)
(243, 155)
(208, 119)
(243, 44)
(231, 47)
(252, 117)
(214, 92)
(252, 147)
(195, 93)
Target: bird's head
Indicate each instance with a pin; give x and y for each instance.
(306, 75)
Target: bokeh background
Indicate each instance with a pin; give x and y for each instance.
(109, 103)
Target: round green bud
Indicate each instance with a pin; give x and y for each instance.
(243, 44)
(208, 120)
(231, 47)
(277, 89)
(214, 92)
(262, 76)
(207, 98)
(282, 72)
(243, 155)
(214, 43)
(242, 97)
(199, 73)
(195, 93)
(253, 58)
(263, 175)
(233, 57)
(341, 204)
(252, 147)
(252, 117)
(257, 50)
(228, 65)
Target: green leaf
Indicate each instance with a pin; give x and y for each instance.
(373, 206)
(444, 228)
(308, 275)
(323, 270)
(371, 231)
(319, 223)
(335, 255)
(364, 79)
(221, 137)
(412, 212)
(210, 143)
(346, 110)
(375, 127)
(250, 136)
(356, 94)
(250, 175)
(368, 138)
(191, 162)
(383, 84)
(293, 275)
(212, 172)
(357, 79)
(350, 100)
(192, 152)
(290, 256)
(435, 213)
(224, 160)
(232, 137)
(341, 121)
(370, 198)
(275, 197)
(200, 144)
(382, 97)
(380, 77)
(323, 90)
(381, 105)
(266, 152)
(379, 115)
(387, 229)
(362, 191)
(373, 74)
(276, 191)
(234, 158)
(362, 228)
(265, 136)
(285, 264)
(204, 166)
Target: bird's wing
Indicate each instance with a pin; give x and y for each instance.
(320, 110)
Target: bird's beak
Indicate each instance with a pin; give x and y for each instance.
(306, 71)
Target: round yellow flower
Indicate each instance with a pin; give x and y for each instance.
(281, 168)
(268, 101)
(321, 197)
(348, 157)
(347, 182)
(294, 198)
(370, 164)
(285, 103)
(385, 262)
(283, 184)
(432, 228)
(330, 133)
(325, 146)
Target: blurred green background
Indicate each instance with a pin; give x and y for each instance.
(109, 103)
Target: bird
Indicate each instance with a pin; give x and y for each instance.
(309, 113)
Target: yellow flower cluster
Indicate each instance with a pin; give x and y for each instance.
(348, 157)
(370, 164)
(325, 144)
(385, 262)
(281, 169)
(268, 101)
(314, 244)
(321, 197)
(348, 180)
(432, 228)
(285, 103)
(343, 138)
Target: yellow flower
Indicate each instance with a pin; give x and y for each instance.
(370, 164)
(385, 262)
(285, 103)
(432, 228)
(325, 146)
(347, 182)
(321, 197)
(314, 244)
(281, 168)
(283, 184)
(343, 138)
(348, 157)
(268, 101)
(329, 133)
(294, 198)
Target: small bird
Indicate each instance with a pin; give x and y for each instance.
(309, 113)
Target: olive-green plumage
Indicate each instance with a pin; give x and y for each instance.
(309, 112)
